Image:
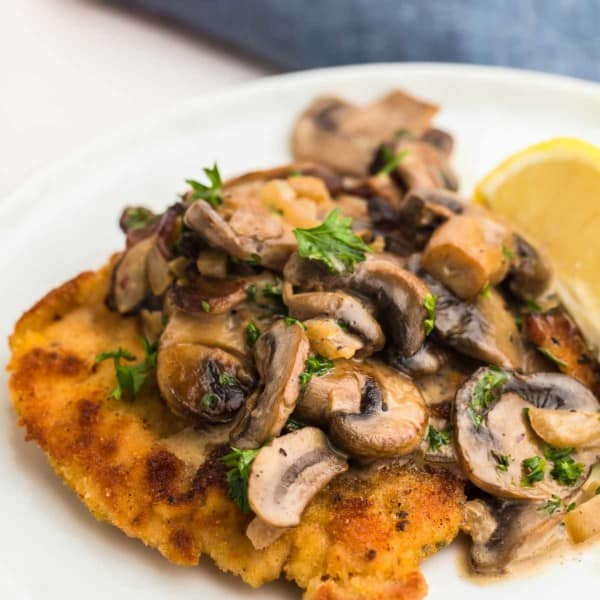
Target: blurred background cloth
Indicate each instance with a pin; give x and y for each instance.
(561, 36)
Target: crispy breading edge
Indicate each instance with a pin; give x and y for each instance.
(361, 537)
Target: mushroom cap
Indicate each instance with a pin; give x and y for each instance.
(566, 428)
(280, 354)
(216, 295)
(352, 311)
(483, 329)
(504, 430)
(287, 474)
(399, 296)
(530, 273)
(465, 254)
(190, 381)
(392, 418)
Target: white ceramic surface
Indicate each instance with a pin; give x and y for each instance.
(64, 221)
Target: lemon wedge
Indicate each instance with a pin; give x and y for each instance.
(551, 192)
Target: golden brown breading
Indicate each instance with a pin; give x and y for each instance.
(361, 538)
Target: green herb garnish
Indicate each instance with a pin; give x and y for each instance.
(273, 290)
(597, 492)
(130, 377)
(390, 160)
(252, 333)
(551, 505)
(239, 463)
(205, 306)
(430, 303)
(292, 321)
(210, 400)
(508, 253)
(548, 354)
(226, 378)
(502, 461)
(136, 217)
(211, 193)
(436, 439)
(565, 470)
(293, 424)
(486, 292)
(533, 306)
(571, 507)
(251, 292)
(332, 243)
(535, 469)
(484, 393)
(315, 366)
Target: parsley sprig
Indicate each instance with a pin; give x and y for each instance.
(548, 354)
(430, 303)
(564, 470)
(252, 333)
(239, 463)
(211, 193)
(535, 469)
(130, 377)
(436, 438)
(332, 243)
(390, 159)
(484, 393)
(502, 461)
(292, 321)
(315, 366)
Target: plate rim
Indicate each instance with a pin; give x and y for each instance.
(102, 143)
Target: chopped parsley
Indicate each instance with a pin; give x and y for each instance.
(251, 292)
(226, 378)
(291, 321)
(533, 306)
(315, 366)
(565, 470)
(486, 292)
(136, 217)
(436, 439)
(211, 193)
(597, 492)
(535, 469)
(484, 393)
(571, 507)
(130, 377)
(548, 354)
(502, 461)
(390, 160)
(273, 290)
(210, 400)
(429, 303)
(293, 424)
(551, 505)
(205, 306)
(252, 333)
(332, 243)
(508, 253)
(239, 463)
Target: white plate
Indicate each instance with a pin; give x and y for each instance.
(64, 221)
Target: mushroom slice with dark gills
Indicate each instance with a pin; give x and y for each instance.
(344, 136)
(483, 329)
(397, 294)
(208, 295)
(368, 409)
(428, 359)
(288, 473)
(499, 451)
(355, 314)
(280, 354)
(505, 532)
(466, 254)
(530, 272)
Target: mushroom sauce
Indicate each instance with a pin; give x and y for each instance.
(351, 308)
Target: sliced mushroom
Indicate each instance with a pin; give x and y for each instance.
(158, 271)
(465, 254)
(530, 272)
(399, 296)
(505, 532)
(583, 522)
(483, 329)
(566, 429)
(427, 360)
(343, 136)
(280, 355)
(200, 382)
(130, 282)
(330, 339)
(262, 535)
(250, 235)
(287, 474)
(369, 409)
(354, 313)
(439, 139)
(494, 437)
(208, 295)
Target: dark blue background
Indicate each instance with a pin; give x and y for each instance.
(560, 36)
